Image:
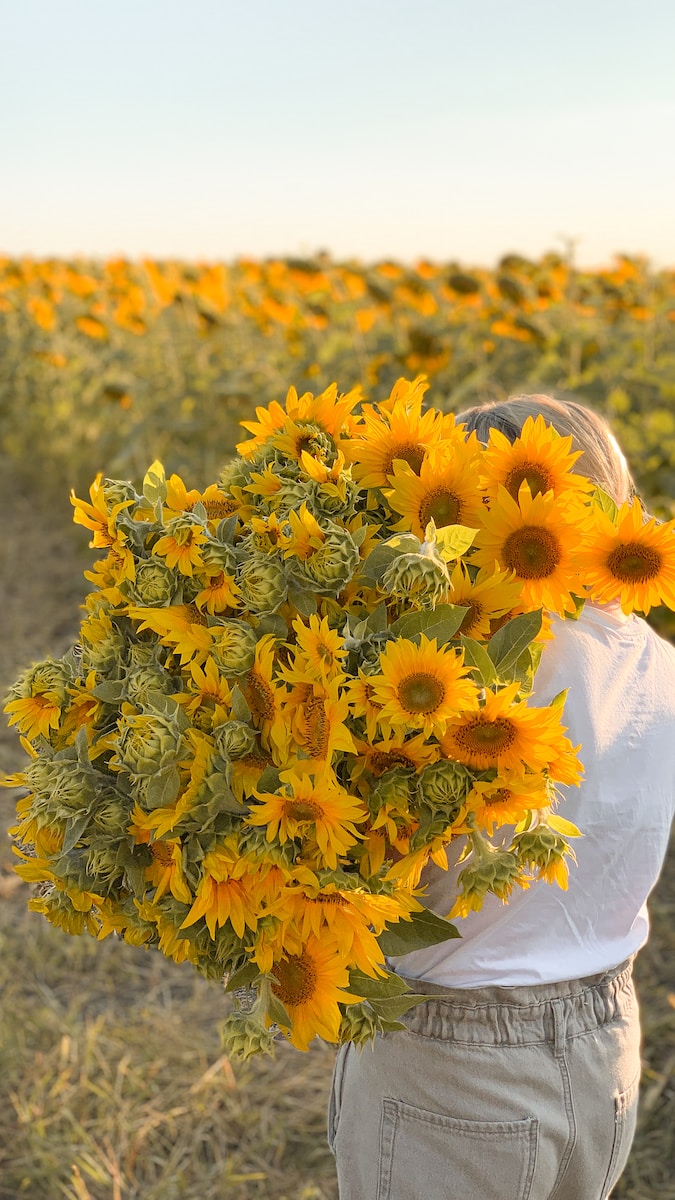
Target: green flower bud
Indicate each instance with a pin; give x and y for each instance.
(540, 848)
(263, 584)
(47, 678)
(117, 491)
(444, 786)
(105, 654)
(220, 556)
(142, 682)
(330, 568)
(112, 816)
(489, 870)
(60, 786)
(234, 644)
(420, 579)
(359, 1024)
(149, 742)
(243, 1035)
(236, 473)
(102, 863)
(234, 739)
(155, 584)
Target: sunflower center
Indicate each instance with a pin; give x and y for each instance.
(216, 509)
(382, 760)
(441, 506)
(421, 693)
(296, 979)
(533, 474)
(195, 615)
(161, 853)
(480, 735)
(633, 562)
(260, 697)
(317, 727)
(410, 452)
(532, 552)
(474, 612)
(500, 796)
(302, 810)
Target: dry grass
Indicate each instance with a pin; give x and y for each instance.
(114, 1086)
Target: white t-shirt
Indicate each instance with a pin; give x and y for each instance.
(621, 709)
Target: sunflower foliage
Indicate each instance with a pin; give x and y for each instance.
(293, 690)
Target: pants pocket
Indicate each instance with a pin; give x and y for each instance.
(625, 1116)
(429, 1156)
(335, 1099)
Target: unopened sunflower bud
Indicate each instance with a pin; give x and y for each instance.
(220, 556)
(544, 850)
(60, 786)
(418, 578)
(263, 584)
(119, 491)
(234, 739)
(48, 678)
(489, 870)
(329, 569)
(149, 742)
(234, 644)
(155, 583)
(359, 1025)
(141, 683)
(243, 1036)
(444, 786)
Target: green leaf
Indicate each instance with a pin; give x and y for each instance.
(425, 929)
(382, 988)
(269, 780)
(377, 621)
(303, 602)
(239, 705)
(359, 535)
(75, 827)
(271, 623)
(110, 691)
(477, 657)
(507, 644)
(391, 1008)
(244, 977)
(374, 566)
(440, 623)
(605, 502)
(226, 529)
(558, 700)
(454, 540)
(163, 788)
(154, 484)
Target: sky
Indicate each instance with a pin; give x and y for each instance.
(448, 129)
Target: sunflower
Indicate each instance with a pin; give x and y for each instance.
(181, 626)
(540, 457)
(328, 410)
(313, 808)
(34, 716)
(445, 490)
(206, 688)
(421, 686)
(219, 593)
(166, 870)
(181, 545)
(318, 652)
(393, 750)
(507, 799)
(630, 560)
(318, 714)
(395, 432)
(537, 538)
(226, 892)
(363, 702)
(354, 917)
(265, 697)
(487, 597)
(506, 733)
(311, 986)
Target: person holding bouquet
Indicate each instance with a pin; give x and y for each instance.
(518, 1077)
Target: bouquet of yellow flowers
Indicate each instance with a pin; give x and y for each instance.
(294, 689)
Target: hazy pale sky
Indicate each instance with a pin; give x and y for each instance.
(453, 129)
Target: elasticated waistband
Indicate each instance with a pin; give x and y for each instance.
(521, 1016)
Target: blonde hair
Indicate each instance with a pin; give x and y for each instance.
(602, 459)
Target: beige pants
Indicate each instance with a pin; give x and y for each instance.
(498, 1093)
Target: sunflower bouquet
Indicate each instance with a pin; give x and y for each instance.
(293, 690)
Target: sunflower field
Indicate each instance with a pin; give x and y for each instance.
(115, 1084)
